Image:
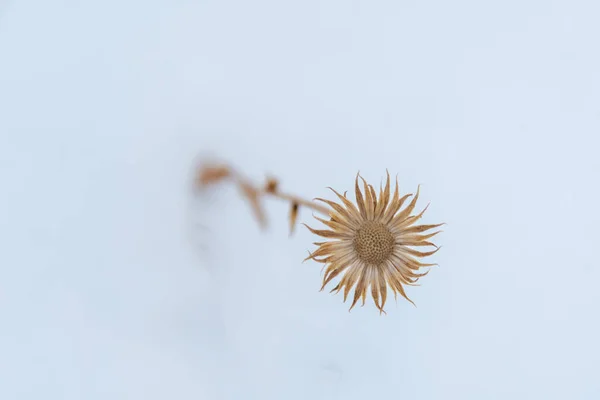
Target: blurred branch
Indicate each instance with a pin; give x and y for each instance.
(212, 174)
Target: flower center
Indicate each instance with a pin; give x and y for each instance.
(373, 242)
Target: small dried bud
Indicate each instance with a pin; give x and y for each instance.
(293, 216)
(271, 185)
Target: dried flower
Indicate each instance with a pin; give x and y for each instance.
(372, 243)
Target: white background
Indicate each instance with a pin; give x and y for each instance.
(117, 283)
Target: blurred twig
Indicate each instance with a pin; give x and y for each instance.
(212, 174)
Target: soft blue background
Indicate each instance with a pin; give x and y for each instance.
(115, 283)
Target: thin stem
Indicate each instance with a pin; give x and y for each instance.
(214, 173)
(306, 203)
(242, 180)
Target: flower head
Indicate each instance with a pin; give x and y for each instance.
(372, 243)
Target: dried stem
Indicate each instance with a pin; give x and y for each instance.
(214, 173)
(301, 202)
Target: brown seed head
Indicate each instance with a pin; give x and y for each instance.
(373, 242)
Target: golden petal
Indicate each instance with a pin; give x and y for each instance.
(367, 278)
(351, 277)
(382, 288)
(368, 200)
(374, 197)
(420, 228)
(330, 248)
(417, 276)
(394, 206)
(400, 290)
(412, 262)
(401, 272)
(406, 268)
(375, 289)
(361, 287)
(335, 226)
(338, 260)
(335, 272)
(417, 243)
(401, 216)
(339, 210)
(410, 220)
(379, 203)
(392, 278)
(359, 199)
(384, 198)
(416, 237)
(386, 272)
(363, 297)
(327, 234)
(345, 278)
(337, 246)
(405, 280)
(312, 257)
(348, 257)
(325, 260)
(419, 253)
(335, 267)
(350, 207)
(337, 288)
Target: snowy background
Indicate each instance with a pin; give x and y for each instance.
(116, 283)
